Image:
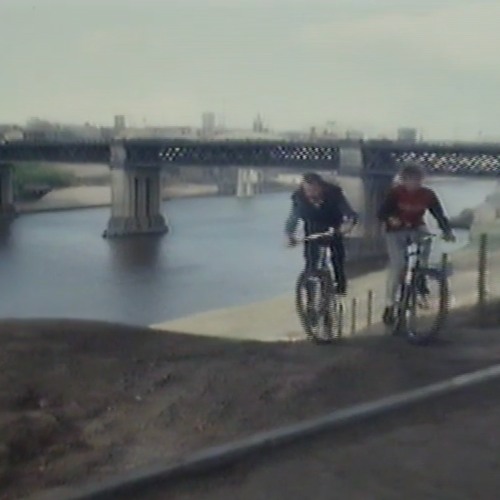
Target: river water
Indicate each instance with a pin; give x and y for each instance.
(221, 252)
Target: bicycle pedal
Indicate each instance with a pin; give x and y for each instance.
(423, 303)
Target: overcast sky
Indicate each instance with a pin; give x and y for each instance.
(373, 64)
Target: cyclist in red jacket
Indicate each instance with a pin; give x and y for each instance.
(402, 213)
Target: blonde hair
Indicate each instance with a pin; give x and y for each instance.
(411, 170)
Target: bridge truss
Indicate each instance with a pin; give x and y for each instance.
(378, 157)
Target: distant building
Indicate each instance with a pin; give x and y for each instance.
(208, 125)
(354, 135)
(120, 123)
(258, 126)
(10, 133)
(40, 130)
(408, 135)
(159, 133)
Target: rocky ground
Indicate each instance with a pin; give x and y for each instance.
(83, 400)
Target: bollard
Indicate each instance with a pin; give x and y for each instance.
(353, 316)
(444, 274)
(340, 314)
(369, 309)
(481, 274)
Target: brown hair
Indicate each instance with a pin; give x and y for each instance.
(313, 178)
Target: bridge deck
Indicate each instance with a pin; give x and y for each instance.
(378, 156)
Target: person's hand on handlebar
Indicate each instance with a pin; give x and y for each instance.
(347, 227)
(394, 222)
(449, 237)
(290, 240)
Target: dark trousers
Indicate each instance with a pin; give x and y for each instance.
(311, 255)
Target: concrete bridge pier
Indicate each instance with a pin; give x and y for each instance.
(7, 208)
(135, 198)
(375, 188)
(248, 182)
(225, 178)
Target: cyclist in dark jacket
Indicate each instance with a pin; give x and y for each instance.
(321, 205)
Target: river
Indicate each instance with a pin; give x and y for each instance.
(221, 252)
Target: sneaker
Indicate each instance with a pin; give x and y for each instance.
(423, 301)
(388, 316)
(423, 288)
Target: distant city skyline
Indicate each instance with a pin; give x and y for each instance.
(371, 65)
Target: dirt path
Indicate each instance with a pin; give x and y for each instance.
(82, 399)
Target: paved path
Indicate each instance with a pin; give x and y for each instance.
(276, 320)
(443, 450)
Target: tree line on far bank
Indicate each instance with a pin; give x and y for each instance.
(34, 181)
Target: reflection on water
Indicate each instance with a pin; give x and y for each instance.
(5, 232)
(135, 255)
(220, 252)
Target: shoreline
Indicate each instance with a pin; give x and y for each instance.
(89, 197)
(99, 196)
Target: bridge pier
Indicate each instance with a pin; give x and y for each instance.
(135, 198)
(247, 184)
(375, 188)
(7, 208)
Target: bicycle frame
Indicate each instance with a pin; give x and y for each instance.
(325, 252)
(413, 253)
(324, 259)
(326, 302)
(412, 260)
(410, 289)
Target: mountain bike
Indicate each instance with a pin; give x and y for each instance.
(316, 301)
(421, 288)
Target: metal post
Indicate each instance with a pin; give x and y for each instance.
(482, 269)
(340, 313)
(444, 278)
(369, 309)
(353, 316)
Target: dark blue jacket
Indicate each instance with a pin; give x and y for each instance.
(333, 211)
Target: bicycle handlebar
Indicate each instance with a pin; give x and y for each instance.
(316, 236)
(422, 238)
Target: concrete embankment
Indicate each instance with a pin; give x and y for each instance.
(100, 196)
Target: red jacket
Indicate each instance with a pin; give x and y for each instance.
(410, 207)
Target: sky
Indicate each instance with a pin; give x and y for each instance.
(373, 65)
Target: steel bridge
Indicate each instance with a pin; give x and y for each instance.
(136, 166)
(378, 156)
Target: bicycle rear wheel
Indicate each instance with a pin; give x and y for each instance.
(422, 315)
(316, 305)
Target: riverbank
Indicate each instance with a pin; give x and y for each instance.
(95, 196)
(75, 198)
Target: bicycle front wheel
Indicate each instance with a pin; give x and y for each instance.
(315, 302)
(425, 306)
